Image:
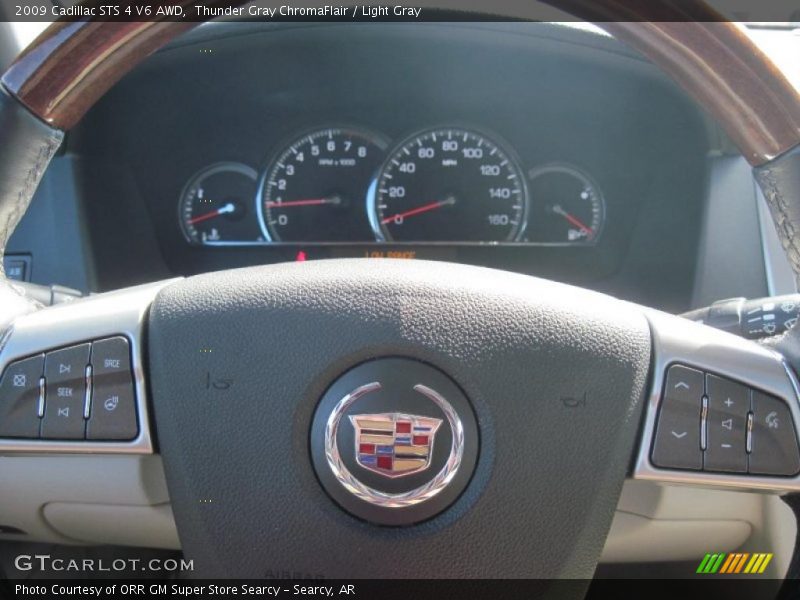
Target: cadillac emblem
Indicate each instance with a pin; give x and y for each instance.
(394, 441)
(394, 444)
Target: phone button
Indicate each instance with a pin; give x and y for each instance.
(774, 442)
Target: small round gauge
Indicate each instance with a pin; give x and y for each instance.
(567, 207)
(216, 206)
(315, 189)
(449, 185)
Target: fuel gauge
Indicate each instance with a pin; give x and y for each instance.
(216, 206)
(567, 207)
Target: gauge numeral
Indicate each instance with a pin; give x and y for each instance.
(490, 170)
(407, 167)
(425, 152)
(502, 193)
(450, 145)
(500, 220)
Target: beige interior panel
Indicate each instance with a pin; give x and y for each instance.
(146, 526)
(117, 499)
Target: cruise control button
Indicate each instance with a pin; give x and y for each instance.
(774, 443)
(677, 443)
(113, 409)
(728, 405)
(65, 375)
(19, 398)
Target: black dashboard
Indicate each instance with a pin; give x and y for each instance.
(523, 146)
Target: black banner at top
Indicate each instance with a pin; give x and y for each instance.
(781, 13)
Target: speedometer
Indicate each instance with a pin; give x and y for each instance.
(449, 185)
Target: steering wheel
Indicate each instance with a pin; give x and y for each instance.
(357, 418)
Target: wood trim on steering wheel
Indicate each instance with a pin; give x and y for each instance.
(71, 65)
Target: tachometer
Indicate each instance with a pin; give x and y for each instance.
(449, 184)
(216, 206)
(314, 191)
(567, 207)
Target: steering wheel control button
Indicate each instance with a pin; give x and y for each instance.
(726, 422)
(113, 405)
(742, 430)
(20, 398)
(65, 383)
(394, 441)
(774, 439)
(73, 395)
(677, 440)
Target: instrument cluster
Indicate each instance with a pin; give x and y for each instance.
(447, 185)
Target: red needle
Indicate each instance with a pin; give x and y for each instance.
(228, 208)
(420, 209)
(574, 220)
(308, 202)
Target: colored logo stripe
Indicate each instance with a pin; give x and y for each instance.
(758, 563)
(734, 563)
(711, 563)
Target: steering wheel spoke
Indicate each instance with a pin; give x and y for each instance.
(722, 411)
(73, 378)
